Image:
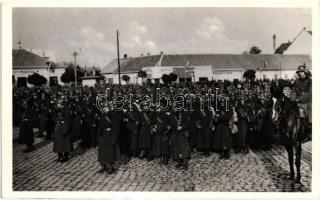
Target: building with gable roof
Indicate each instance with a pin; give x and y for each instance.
(25, 63)
(200, 67)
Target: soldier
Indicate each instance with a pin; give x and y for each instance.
(62, 140)
(302, 94)
(204, 131)
(180, 138)
(240, 136)
(92, 119)
(50, 121)
(108, 141)
(265, 127)
(222, 138)
(26, 132)
(145, 138)
(133, 125)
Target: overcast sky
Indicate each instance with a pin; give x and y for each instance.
(171, 30)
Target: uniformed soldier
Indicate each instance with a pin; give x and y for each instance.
(222, 136)
(108, 141)
(62, 140)
(240, 142)
(180, 138)
(26, 132)
(302, 93)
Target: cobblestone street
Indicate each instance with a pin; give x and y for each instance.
(265, 171)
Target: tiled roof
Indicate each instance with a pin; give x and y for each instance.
(218, 61)
(21, 57)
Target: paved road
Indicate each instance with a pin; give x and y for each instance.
(257, 171)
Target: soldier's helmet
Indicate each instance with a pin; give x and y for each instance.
(302, 68)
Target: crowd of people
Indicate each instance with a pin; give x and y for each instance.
(69, 114)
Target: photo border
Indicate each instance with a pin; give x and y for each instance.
(6, 103)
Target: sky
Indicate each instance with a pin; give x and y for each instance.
(92, 31)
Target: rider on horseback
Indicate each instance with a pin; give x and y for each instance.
(301, 93)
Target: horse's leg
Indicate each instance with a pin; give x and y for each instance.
(298, 162)
(289, 148)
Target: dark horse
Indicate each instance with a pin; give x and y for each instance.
(293, 130)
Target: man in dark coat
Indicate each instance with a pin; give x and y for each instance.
(51, 121)
(240, 141)
(108, 141)
(180, 138)
(133, 124)
(223, 138)
(145, 137)
(160, 143)
(302, 93)
(62, 140)
(92, 120)
(26, 133)
(204, 131)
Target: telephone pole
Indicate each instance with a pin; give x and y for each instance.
(118, 56)
(75, 54)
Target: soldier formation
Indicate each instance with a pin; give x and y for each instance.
(69, 114)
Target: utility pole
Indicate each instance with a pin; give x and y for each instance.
(118, 56)
(75, 54)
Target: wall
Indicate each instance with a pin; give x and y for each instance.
(115, 78)
(285, 74)
(40, 70)
(89, 82)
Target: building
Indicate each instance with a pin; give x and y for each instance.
(92, 79)
(200, 67)
(25, 63)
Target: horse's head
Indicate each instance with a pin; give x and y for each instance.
(278, 109)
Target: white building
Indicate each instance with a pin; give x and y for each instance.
(206, 66)
(25, 63)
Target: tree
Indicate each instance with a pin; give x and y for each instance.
(142, 74)
(254, 50)
(169, 78)
(126, 78)
(36, 79)
(166, 79)
(250, 74)
(68, 75)
(173, 77)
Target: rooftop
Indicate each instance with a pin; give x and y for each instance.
(22, 58)
(216, 61)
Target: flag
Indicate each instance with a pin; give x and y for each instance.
(283, 47)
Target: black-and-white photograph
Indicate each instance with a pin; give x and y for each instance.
(162, 99)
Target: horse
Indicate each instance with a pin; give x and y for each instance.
(293, 130)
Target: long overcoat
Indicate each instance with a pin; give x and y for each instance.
(180, 138)
(62, 141)
(222, 136)
(108, 138)
(26, 134)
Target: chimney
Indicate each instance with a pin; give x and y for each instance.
(274, 41)
(125, 56)
(94, 71)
